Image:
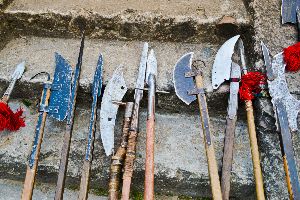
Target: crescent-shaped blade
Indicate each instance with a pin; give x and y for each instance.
(184, 84)
(114, 91)
(222, 65)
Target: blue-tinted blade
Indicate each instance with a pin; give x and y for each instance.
(183, 84)
(98, 77)
(288, 11)
(60, 89)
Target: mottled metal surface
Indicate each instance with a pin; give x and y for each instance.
(142, 69)
(114, 91)
(287, 145)
(234, 90)
(268, 62)
(151, 65)
(151, 73)
(60, 89)
(15, 76)
(279, 90)
(96, 92)
(184, 84)
(222, 63)
(288, 11)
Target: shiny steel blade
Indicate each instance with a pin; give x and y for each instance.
(140, 82)
(222, 63)
(114, 91)
(234, 90)
(151, 65)
(184, 84)
(268, 62)
(18, 71)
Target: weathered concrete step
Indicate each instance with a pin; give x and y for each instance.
(13, 190)
(189, 21)
(39, 56)
(181, 167)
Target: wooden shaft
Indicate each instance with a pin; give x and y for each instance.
(4, 99)
(31, 171)
(254, 151)
(210, 152)
(60, 186)
(227, 157)
(117, 162)
(149, 164)
(287, 177)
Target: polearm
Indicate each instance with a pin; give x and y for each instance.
(260, 195)
(69, 127)
(15, 76)
(87, 163)
(150, 130)
(118, 159)
(52, 103)
(134, 129)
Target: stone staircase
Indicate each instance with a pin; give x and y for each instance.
(33, 30)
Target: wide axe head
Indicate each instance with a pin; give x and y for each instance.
(184, 84)
(114, 92)
(222, 64)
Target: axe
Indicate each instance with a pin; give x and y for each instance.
(183, 75)
(87, 162)
(226, 70)
(286, 109)
(54, 103)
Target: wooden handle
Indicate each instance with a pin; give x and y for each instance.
(210, 152)
(117, 162)
(149, 164)
(60, 186)
(31, 171)
(4, 99)
(84, 183)
(287, 178)
(129, 161)
(255, 153)
(227, 157)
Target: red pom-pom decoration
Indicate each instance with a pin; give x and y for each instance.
(9, 120)
(250, 85)
(291, 56)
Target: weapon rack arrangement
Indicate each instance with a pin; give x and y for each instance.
(58, 101)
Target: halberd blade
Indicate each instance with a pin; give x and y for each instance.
(288, 11)
(234, 90)
(114, 91)
(268, 62)
(60, 89)
(151, 65)
(140, 83)
(184, 84)
(18, 71)
(222, 64)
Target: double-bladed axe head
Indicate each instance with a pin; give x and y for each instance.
(222, 65)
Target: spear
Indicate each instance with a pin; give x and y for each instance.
(86, 169)
(150, 130)
(134, 129)
(69, 128)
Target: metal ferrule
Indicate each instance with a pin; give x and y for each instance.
(128, 110)
(151, 95)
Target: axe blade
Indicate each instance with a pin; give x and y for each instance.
(114, 91)
(222, 64)
(184, 84)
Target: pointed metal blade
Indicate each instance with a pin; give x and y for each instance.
(98, 77)
(222, 64)
(18, 71)
(184, 84)
(268, 62)
(234, 90)
(60, 89)
(151, 65)
(114, 91)
(140, 82)
(288, 11)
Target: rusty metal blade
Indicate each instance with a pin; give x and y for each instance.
(222, 63)
(114, 91)
(184, 84)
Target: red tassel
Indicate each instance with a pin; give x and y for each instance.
(291, 56)
(10, 120)
(250, 85)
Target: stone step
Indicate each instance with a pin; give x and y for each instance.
(180, 161)
(189, 21)
(39, 56)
